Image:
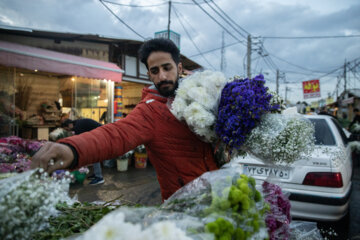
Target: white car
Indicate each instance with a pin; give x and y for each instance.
(319, 187)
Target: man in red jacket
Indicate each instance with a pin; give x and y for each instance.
(176, 153)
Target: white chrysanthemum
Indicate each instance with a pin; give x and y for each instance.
(181, 92)
(165, 230)
(208, 134)
(214, 83)
(201, 96)
(197, 100)
(196, 116)
(187, 83)
(113, 227)
(178, 107)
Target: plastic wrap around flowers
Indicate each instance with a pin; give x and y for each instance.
(243, 102)
(281, 138)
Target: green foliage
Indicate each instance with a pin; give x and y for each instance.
(246, 209)
(72, 220)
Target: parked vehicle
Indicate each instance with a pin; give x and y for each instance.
(320, 186)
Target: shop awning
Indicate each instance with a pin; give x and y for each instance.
(21, 56)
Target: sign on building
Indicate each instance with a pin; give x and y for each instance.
(175, 37)
(311, 89)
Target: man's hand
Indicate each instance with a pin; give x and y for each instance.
(53, 156)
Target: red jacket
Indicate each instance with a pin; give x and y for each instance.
(176, 153)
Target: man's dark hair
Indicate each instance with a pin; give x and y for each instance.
(158, 45)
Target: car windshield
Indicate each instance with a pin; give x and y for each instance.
(323, 134)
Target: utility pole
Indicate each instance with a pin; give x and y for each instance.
(286, 90)
(249, 56)
(277, 81)
(345, 76)
(223, 63)
(168, 30)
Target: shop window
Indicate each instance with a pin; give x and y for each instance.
(8, 111)
(84, 97)
(142, 70)
(130, 66)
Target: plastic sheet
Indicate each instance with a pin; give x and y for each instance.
(196, 208)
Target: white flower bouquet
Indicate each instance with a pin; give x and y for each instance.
(281, 138)
(241, 115)
(196, 102)
(27, 200)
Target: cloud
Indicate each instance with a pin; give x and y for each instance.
(258, 18)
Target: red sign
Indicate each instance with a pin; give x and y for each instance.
(311, 89)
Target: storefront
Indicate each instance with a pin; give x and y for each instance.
(38, 87)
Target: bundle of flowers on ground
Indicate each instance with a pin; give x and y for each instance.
(222, 204)
(27, 200)
(196, 102)
(15, 153)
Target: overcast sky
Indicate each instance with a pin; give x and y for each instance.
(298, 59)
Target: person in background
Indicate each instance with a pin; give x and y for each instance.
(312, 111)
(80, 126)
(356, 118)
(324, 111)
(176, 153)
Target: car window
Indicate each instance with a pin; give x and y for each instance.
(323, 134)
(339, 128)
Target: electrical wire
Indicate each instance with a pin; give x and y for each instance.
(295, 65)
(312, 37)
(101, 1)
(187, 33)
(224, 13)
(209, 15)
(132, 5)
(227, 21)
(215, 49)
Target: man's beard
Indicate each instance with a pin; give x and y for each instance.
(168, 91)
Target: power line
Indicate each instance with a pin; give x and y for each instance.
(227, 21)
(132, 5)
(215, 49)
(152, 5)
(218, 22)
(101, 1)
(188, 3)
(312, 37)
(295, 65)
(224, 13)
(187, 33)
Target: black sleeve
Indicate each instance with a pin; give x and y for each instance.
(75, 162)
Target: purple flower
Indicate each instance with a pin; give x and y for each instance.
(242, 104)
(278, 219)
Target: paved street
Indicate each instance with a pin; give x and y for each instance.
(141, 186)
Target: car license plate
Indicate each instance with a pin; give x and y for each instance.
(267, 172)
